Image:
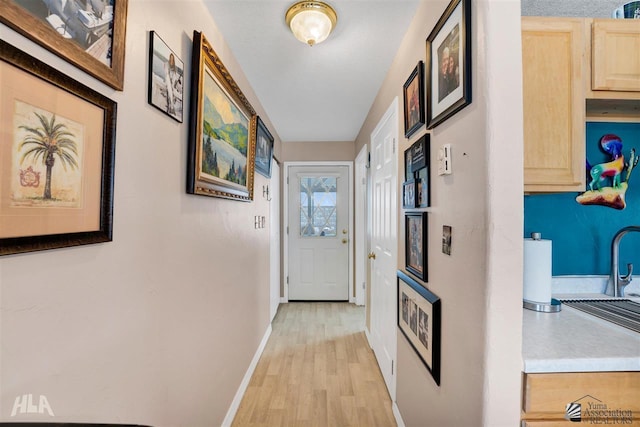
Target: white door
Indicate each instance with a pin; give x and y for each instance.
(384, 244)
(318, 239)
(274, 224)
(360, 223)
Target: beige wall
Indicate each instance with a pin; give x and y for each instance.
(159, 326)
(480, 284)
(318, 151)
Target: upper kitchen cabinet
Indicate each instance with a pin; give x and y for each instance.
(615, 50)
(554, 80)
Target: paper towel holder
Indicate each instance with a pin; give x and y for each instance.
(553, 307)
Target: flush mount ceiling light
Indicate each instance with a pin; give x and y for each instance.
(311, 21)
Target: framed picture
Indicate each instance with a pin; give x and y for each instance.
(421, 150)
(413, 100)
(420, 153)
(222, 127)
(419, 319)
(416, 244)
(446, 239)
(449, 63)
(264, 149)
(57, 150)
(166, 78)
(408, 167)
(90, 34)
(409, 194)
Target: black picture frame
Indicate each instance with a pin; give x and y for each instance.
(166, 81)
(408, 169)
(422, 148)
(415, 238)
(209, 173)
(413, 94)
(48, 212)
(264, 149)
(420, 153)
(409, 194)
(449, 63)
(420, 320)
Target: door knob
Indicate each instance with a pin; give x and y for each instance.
(372, 255)
(344, 241)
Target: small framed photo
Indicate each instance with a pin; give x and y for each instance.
(413, 100)
(408, 168)
(409, 194)
(264, 149)
(419, 319)
(420, 153)
(446, 239)
(449, 63)
(416, 244)
(166, 78)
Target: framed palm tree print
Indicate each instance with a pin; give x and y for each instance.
(56, 158)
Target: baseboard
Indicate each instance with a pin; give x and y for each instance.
(235, 404)
(396, 415)
(366, 334)
(283, 300)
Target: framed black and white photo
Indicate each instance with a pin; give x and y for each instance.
(416, 244)
(166, 78)
(409, 194)
(264, 149)
(419, 319)
(449, 63)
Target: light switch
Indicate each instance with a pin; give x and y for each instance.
(444, 160)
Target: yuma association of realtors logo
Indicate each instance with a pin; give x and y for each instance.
(591, 410)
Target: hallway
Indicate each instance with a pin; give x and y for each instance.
(317, 370)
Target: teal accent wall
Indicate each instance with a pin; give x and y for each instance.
(582, 235)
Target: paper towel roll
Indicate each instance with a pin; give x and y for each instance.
(537, 271)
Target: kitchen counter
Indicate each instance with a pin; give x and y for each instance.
(574, 341)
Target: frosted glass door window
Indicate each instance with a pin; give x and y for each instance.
(318, 216)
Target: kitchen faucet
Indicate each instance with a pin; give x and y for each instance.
(616, 281)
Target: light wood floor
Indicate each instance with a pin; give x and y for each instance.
(317, 370)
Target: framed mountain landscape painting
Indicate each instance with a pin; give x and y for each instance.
(221, 130)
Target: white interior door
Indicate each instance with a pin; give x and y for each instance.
(384, 244)
(318, 232)
(274, 225)
(360, 224)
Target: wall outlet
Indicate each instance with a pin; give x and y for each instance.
(444, 160)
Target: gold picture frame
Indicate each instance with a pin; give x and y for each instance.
(91, 37)
(57, 153)
(222, 129)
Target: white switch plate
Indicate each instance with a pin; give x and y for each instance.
(444, 160)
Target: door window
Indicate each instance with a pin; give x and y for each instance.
(318, 216)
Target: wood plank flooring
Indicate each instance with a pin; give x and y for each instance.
(317, 370)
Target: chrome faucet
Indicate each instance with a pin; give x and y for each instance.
(616, 281)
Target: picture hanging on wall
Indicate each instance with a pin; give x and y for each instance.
(166, 78)
(419, 317)
(57, 152)
(416, 244)
(413, 92)
(89, 34)
(409, 194)
(420, 165)
(449, 63)
(222, 129)
(264, 149)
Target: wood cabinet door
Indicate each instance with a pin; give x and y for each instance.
(553, 54)
(615, 55)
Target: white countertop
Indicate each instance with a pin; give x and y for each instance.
(574, 341)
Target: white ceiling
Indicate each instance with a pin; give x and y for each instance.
(320, 93)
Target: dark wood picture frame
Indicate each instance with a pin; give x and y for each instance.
(221, 155)
(41, 32)
(415, 238)
(166, 80)
(449, 63)
(421, 150)
(419, 319)
(41, 98)
(264, 149)
(413, 94)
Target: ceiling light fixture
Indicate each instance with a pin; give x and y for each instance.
(311, 21)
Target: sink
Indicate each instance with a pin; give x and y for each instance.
(622, 312)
